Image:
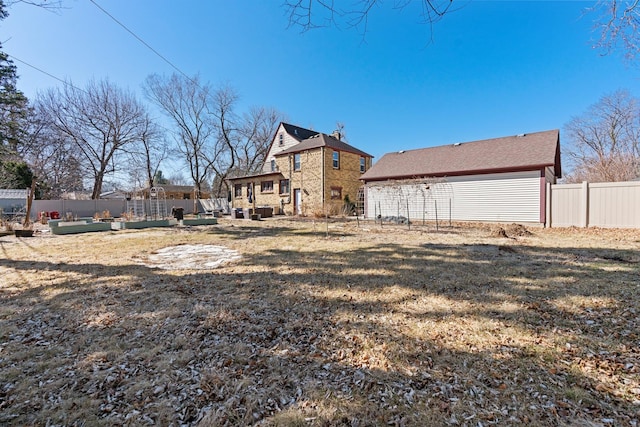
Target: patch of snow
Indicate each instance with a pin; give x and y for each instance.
(192, 257)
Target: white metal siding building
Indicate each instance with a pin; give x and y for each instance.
(449, 182)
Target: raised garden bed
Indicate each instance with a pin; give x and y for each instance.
(79, 227)
(200, 221)
(147, 224)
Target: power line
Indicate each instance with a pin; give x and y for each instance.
(67, 83)
(142, 41)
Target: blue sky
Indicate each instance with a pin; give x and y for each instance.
(490, 69)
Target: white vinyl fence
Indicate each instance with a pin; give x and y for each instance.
(607, 205)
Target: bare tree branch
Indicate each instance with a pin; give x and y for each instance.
(101, 121)
(310, 14)
(618, 26)
(604, 142)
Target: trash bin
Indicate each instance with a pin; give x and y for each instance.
(178, 213)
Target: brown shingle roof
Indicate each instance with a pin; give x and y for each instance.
(323, 140)
(511, 153)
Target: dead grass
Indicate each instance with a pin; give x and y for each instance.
(316, 324)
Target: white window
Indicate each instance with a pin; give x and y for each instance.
(336, 160)
(296, 162)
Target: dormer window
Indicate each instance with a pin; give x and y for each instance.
(280, 139)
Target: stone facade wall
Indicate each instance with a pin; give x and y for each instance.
(309, 180)
(346, 179)
(262, 199)
(315, 179)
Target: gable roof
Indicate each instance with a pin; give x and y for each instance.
(323, 140)
(297, 132)
(519, 152)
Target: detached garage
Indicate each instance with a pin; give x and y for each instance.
(494, 180)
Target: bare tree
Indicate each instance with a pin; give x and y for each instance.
(309, 14)
(619, 26)
(186, 102)
(604, 142)
(148, 154)
(223, 157)
(101, 121)
(256, 133)
(51, 155)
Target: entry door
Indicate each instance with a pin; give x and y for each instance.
(297, 201)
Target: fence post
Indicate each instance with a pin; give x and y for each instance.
(584, 208)
(548, 208)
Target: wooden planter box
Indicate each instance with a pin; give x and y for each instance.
(23, 233)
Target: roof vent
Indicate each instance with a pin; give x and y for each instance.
(457, 143)
(521, 135)
(401, 152)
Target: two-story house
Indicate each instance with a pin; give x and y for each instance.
(305, 173)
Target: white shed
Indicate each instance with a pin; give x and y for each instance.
(495, 180)
(13, 200)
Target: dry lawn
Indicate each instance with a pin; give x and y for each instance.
(360, 326)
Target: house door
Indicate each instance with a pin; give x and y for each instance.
(297, 201)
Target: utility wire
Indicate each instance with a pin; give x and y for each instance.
(67, 83)
(143, 42)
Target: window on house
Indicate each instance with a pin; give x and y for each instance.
(266, 187)
(186, 196)
(284, 186)
(363, 165)
(336, 193)
(336, 160)
(237, 190)
(296, 162)
(273, 165)
(281, 139)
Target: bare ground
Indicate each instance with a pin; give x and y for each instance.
(304, 323)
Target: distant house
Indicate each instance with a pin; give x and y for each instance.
(115, 194)
(305, 172)
(501, 179)
(176, 192)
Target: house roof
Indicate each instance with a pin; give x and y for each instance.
(323, 140)
(13, 194)
(257, 175)
(519, 152)
(173, 188)
(297, 132)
